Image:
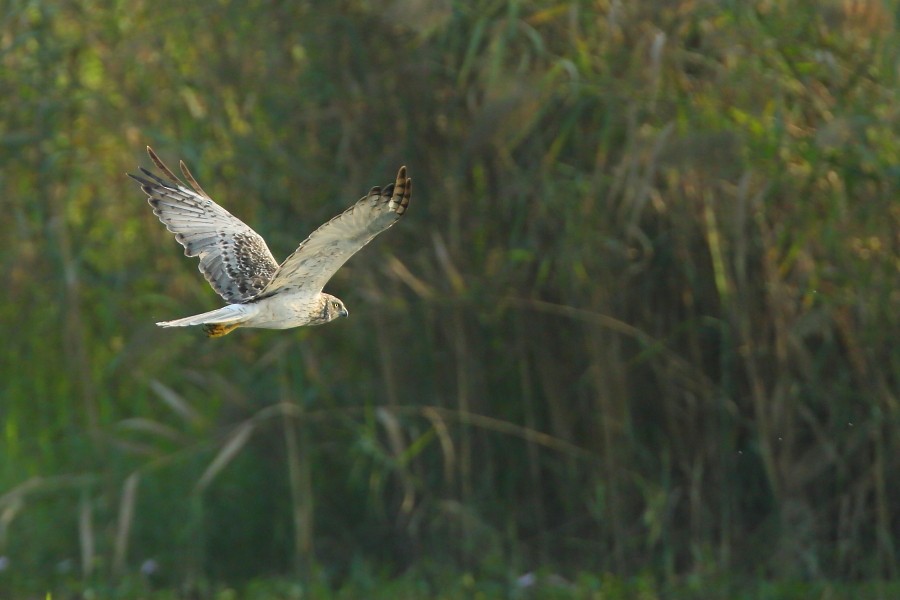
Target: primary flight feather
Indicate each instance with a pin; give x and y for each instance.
(239, 266)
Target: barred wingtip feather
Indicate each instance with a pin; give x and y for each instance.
(319, 257)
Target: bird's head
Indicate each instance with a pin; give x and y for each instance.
(331, 309)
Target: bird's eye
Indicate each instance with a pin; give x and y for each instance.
(334, 304)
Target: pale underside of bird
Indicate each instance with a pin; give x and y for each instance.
(239, 266)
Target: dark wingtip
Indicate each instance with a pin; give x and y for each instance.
(139, 179)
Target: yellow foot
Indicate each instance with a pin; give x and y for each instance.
(218, 329)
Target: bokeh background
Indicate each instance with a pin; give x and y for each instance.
(637, 336)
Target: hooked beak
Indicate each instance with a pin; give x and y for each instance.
(344, 312)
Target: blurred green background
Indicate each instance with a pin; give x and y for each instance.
(636, 338)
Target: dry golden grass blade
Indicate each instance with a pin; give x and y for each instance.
(125, 520)
(302, 501)
(446, 440)
(396, 268)
(449, 415)
(502, 426)
(86, 539)
(717, 251)
(43, 484)
(153, 427)
(397, 440)
(8, 512)
(457, 282)
(300, 480)
(176, 402)
(232, 446)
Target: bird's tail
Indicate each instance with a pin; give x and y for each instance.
(216, 323)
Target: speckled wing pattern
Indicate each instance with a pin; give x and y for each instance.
(233, 258)
(317, 259)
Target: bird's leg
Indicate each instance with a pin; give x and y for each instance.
(214, 330)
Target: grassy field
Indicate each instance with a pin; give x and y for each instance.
(441, 585)
(636, 335)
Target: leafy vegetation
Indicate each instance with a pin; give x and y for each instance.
(639, 321)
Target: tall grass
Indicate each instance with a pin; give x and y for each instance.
(640, 318)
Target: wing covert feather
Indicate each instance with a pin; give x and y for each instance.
(234, 259)
(319, 257)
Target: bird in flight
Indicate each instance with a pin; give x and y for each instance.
(239, 266)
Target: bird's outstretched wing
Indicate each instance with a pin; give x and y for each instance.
(233, 258)
(324, 252)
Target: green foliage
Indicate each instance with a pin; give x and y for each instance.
(640, 320)
(416, 585)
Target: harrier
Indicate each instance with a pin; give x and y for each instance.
(239, 266)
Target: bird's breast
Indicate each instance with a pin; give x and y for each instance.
(283, 311)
